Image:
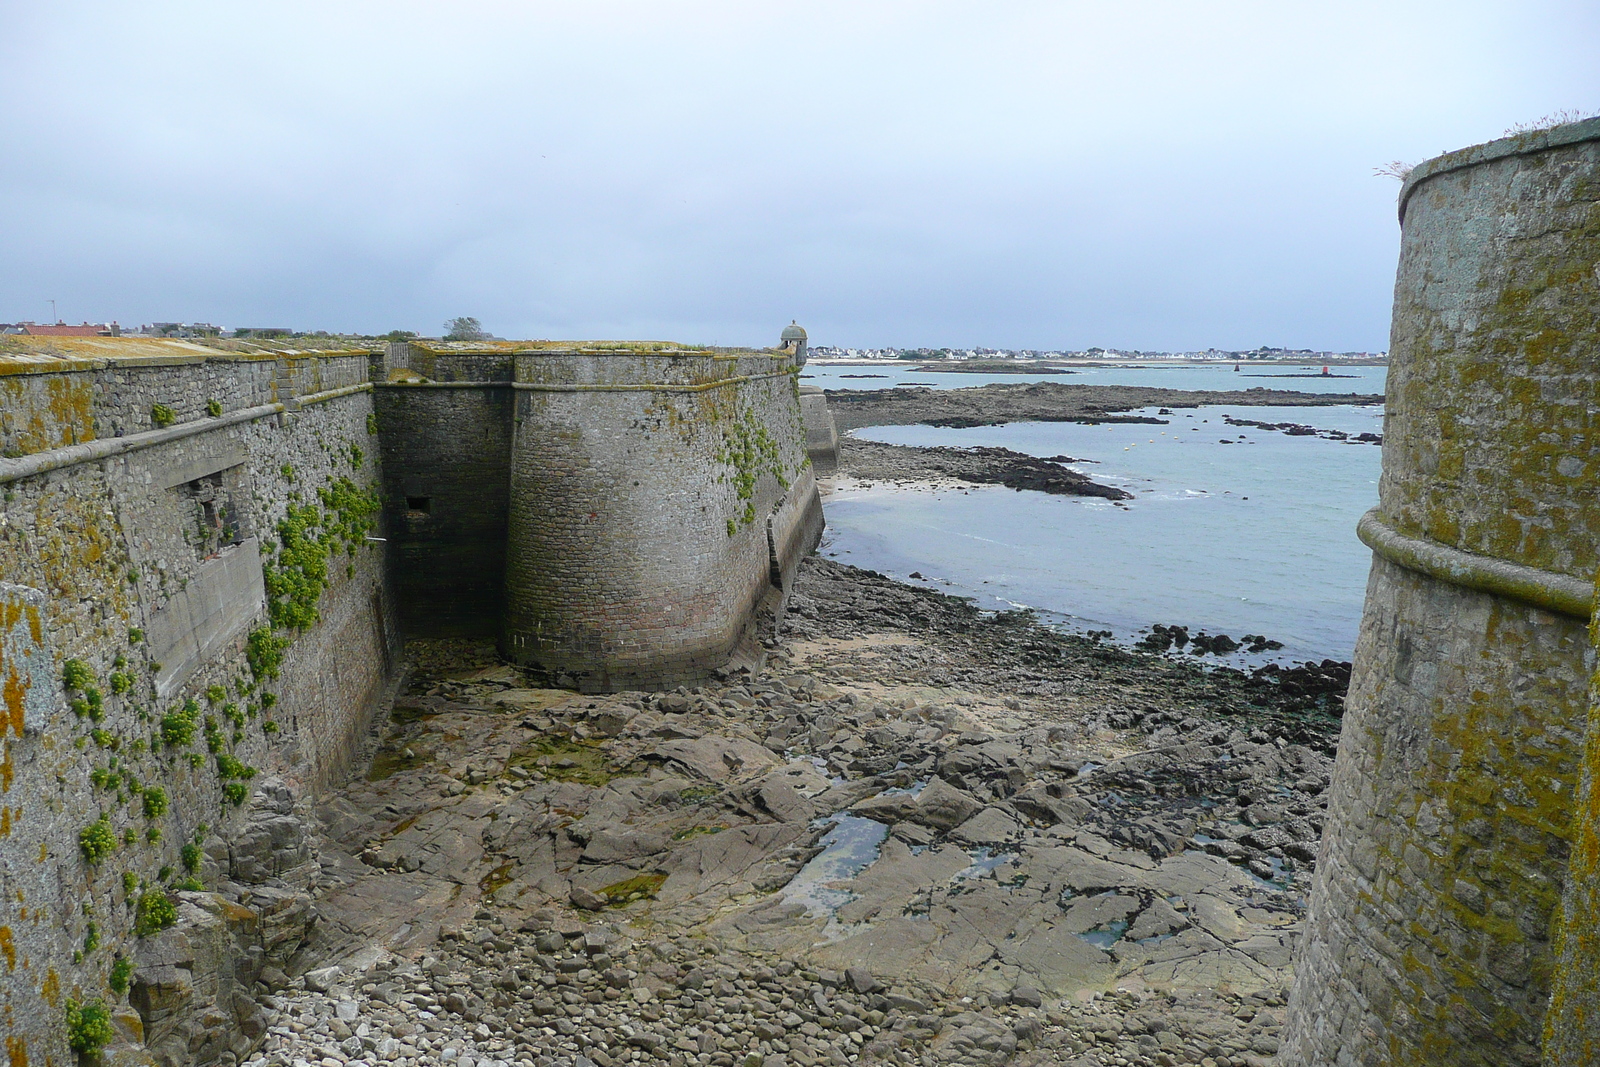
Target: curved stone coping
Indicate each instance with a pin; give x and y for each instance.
(1559, 593)
(540, 387)
(1521, 144)
(12, 470)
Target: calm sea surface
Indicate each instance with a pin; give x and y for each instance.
(1254, 536)
(1177, 376)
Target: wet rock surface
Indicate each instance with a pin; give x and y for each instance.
(872, 461)
(922, 834)
(991, 405)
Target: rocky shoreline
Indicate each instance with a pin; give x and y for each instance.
(922, 834)
(871, 461)
(992, 405)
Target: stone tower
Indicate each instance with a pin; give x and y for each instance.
(1437, 932)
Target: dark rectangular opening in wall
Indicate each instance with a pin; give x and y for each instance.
(423, 504)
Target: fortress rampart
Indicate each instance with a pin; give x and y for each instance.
(1462, 801)
(614, 517)
(208, 562)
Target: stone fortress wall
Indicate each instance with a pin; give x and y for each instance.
(208, 560)
(1437, 931)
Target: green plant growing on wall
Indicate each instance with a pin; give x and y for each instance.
(213, 407)
(75, 674)
(155, 802)
(287, 470)
(178, 725)
(213, 736)
(235, 793)
(91, 705)
(154, 913)
(121, 972)
(97, 840)
(189, 855)
(296, 577)
(91, 937)
(297, 574)
(121, 682)
(135, 635)
(216, 694)
(229, 766)
(130, 883)
(749, 450)
(88, 1027)
(163, 416)
(264, 652)
(372, 423)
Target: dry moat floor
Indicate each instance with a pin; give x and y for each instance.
(921, 835)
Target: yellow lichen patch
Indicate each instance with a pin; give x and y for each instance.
(8, 948)
(50, 989)
(17, 1050)
(71, 403)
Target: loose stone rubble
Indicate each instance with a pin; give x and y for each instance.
(923, 835)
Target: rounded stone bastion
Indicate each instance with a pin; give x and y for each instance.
(658, 502)
(1437, 932)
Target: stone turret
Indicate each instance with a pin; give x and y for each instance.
(793, 339)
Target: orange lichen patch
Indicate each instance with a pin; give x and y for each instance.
(13, 697)
(50, 990)
(8, 948)
(8, 770)
(5, 822)
(17, 1050)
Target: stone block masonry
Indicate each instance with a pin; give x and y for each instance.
(209, 558)
(140, 550)
(1452, 920)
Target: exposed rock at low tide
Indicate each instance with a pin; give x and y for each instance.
(924, 834)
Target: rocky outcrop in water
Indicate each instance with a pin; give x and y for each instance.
(991, 405)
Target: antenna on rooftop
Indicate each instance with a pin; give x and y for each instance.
(53, 316)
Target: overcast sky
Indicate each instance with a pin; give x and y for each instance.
(1015, 174)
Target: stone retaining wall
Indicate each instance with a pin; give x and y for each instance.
(133, 541)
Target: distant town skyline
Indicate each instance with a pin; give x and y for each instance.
(1156, 176)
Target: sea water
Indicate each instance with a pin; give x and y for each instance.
(1253, 536)
(1306, 379)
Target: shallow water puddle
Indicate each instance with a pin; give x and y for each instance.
(847, 850)
(1105, 937)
